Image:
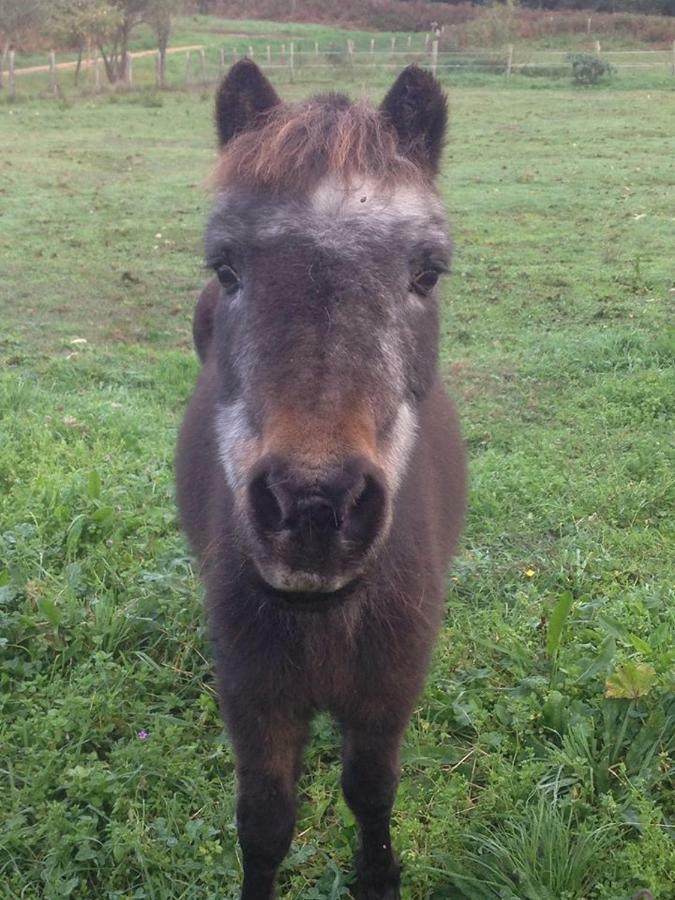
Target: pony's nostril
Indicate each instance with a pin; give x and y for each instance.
(267, 510)
(367, 511)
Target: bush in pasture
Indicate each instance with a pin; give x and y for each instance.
(530, 71)
(588, 68)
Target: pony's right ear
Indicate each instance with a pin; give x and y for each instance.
(417, 109)
(244, 94)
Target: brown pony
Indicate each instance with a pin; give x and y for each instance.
(321, 473)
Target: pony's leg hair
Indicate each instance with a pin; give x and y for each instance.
(370, 776)
(268, 749)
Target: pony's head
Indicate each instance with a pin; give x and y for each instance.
(328, 237)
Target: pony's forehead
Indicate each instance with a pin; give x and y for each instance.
(355, 209)
(364, 197)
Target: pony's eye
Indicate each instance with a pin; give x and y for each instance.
(228, 278)
(425, 281)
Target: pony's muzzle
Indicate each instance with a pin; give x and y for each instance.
(316, 525)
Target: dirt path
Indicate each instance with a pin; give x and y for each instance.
(85, 63)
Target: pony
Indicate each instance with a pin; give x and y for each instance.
(320, 467)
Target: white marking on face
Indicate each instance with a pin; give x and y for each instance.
(414, 302)
(393, 363)
(276, 225)
(339, 205)
(235, 442)
(337, 214)
(401, 442)
(335, 199)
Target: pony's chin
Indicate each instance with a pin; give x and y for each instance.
(285, 580)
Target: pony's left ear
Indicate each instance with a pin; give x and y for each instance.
(244, 94)
(417, 109)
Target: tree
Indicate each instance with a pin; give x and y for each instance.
(18, 19)
(81, 24)
(108, 25)
(156, 13)
(159, 18)
(115, 53)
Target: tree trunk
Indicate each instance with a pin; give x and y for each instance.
(163, 34)
(115, 60)
(107, 63)
(3, 61)
(124, 51)
(162, 67)
(78, 66)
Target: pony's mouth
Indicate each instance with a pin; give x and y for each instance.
(285, 580)
(306, 590)
(313, 601)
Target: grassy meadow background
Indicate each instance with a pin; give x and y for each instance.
(538, 765)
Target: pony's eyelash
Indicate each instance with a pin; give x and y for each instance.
(213, 262)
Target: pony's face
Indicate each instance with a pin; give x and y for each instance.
(325, 338)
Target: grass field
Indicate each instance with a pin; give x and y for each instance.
(537, 765)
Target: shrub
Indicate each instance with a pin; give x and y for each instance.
(588, 68)
(530, 71)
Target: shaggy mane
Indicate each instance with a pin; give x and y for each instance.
(295, 145)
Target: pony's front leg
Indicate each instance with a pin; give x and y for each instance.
(369, 780)
(268, 747)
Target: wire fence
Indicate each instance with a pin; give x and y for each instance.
(301, 61)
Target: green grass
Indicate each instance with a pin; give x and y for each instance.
(521, 778)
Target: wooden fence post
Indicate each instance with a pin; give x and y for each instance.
(269, 55)
(316, 49)
(434, 57)
(129, 79)
(372, 47)
(588, 24)
(291, 61)
(12, 75)
(350, 55)
(202, 56)
(597, 47)
(162, 68)
(393, 44)
(250, 51)
(426, 42)
(157, 65)
(188, 68)
(509, 61)
(97, 73)
(409, 41)
(53, 86)
(234, 54)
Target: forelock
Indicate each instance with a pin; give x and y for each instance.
(298, 145)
